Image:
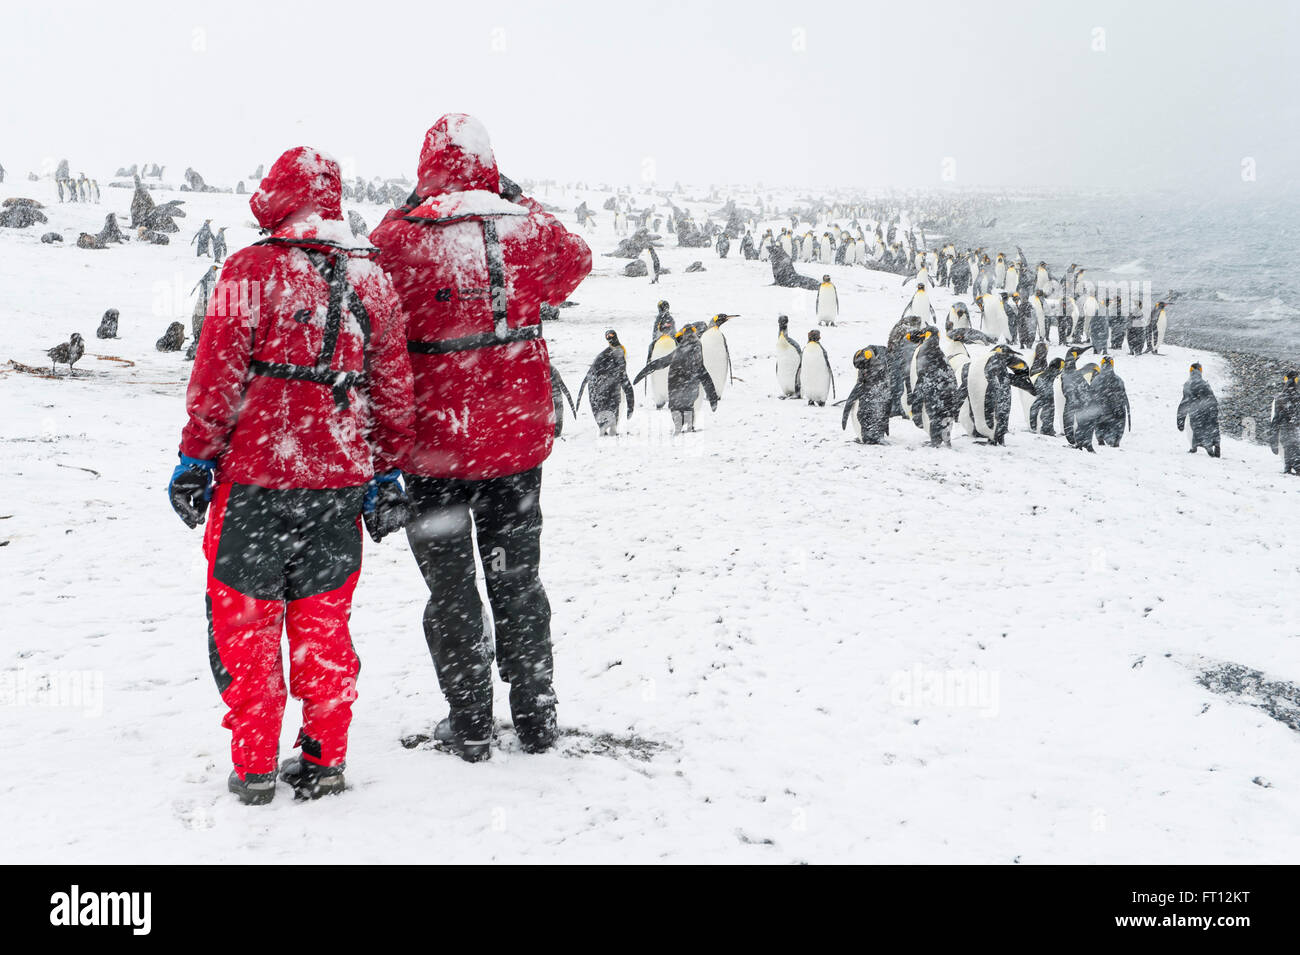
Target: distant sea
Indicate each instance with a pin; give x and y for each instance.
(1233, 262)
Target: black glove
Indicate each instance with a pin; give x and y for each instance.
(508, 188)
(190, 489)
(386, 507)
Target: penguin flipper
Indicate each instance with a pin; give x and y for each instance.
(857, 392)
(829, 370)
(581, 388)
(630, 393)
(662, 361)
(558, 382)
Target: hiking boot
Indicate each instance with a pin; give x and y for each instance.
(311, 780)
(255, 789)
(467, 732)
(534, 717)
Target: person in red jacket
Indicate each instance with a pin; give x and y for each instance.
(473, 264)
(300, 408)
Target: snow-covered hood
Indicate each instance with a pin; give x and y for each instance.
(303, 180)
(457, 157)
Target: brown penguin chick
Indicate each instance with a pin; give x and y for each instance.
(173, 338)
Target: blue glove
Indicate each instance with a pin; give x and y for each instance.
(190, 489)
(385, 507)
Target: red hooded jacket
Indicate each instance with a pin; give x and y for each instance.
(270, 309)
(482, 371)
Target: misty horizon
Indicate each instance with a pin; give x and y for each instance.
(722, 94)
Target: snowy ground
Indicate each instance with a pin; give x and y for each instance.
(754, 623)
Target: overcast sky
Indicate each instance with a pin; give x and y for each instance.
(1171, 94)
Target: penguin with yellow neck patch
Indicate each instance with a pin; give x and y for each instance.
(609, 385)
(867, 406)
(816, 380)
(1042, 412)
(788, 357)
(931, 387)
(717, 356)
(1113, 414)
(828, 302)
(984, 392)
(1071, 399)
(662, 344)
(1157, 326)
(687, 377)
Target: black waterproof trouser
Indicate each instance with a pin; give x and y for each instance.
(504, 517)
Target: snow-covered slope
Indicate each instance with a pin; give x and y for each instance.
(773, 644)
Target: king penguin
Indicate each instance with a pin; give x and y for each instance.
(1096, 321)
(1042, 278)
(609, 385)
(663, 344)
(984, 392)
(1157, 327)
(816, 380)
(932, 387)
(788, 356)
(1069, 395)
(919, 307)
(958, 316)
(867, 406)
(996, 324)
(717, 357)
(828, 302)
(1039, 310)
(1042, 411)
(1011, 281)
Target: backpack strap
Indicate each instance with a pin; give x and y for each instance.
(471, 342)
(332, 267)
(496, 264)
(501, 333)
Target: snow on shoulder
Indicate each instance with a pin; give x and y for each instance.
(334, 231)
(472, 202)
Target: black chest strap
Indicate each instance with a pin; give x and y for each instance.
(333, 269)
(470, 342)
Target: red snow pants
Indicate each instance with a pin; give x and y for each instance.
(283, 560)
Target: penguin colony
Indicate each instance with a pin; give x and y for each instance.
(969, 368)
